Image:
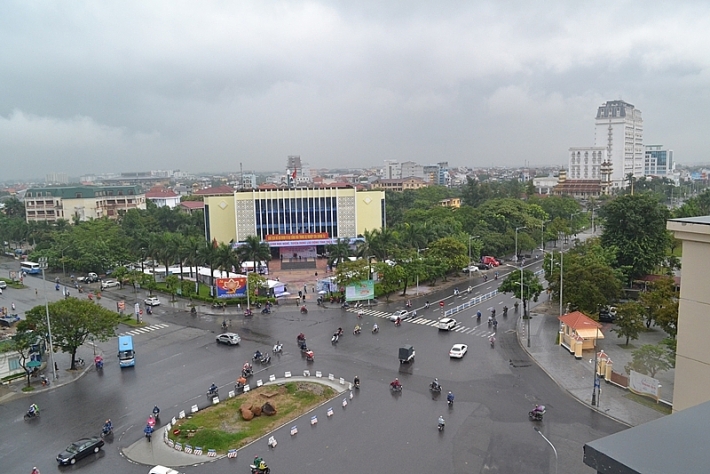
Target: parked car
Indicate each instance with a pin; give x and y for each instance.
(151, 301)
(3, 284)
(470, 269)
(162, 470)
(446, 324)
(89, 278)
(607, 315)
(79, 449)
(229, 338)
(458, 351)
(109, 284)
(401, 314)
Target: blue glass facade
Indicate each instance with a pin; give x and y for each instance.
(296, 216)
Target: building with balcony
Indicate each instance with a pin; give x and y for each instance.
(162, 197)
(81, 203)
(399, 185)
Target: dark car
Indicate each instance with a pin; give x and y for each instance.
(607, 315)
(79, 449)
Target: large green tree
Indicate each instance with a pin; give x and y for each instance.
(635, 225)
(529, 290)
(254, 250)
(629, 321)
(661, 304)
(650, 359)
(73, 321)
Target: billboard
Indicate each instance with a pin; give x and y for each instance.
(644, 385)
(362, 290)
(235, 287)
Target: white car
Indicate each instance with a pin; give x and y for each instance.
(151, 301)
(109, 284)
(229, 338)
(446, 324)
(162, 470)
(401, 314)
(471, 269)
(458, 351)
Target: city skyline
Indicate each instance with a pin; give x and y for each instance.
(107, 87)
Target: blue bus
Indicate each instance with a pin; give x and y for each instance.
(31, 268)
(126, 354)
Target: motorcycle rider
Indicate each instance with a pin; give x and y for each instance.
(395, 384)
(356, 330)
(35, 470)
(375, 328)
(213, 389)
(441, 421)
(398, 321)
(435, 384)
(257, 461)
(246, 368)
(478, 315)
(505, 311)
(356, 381)
(34, 410)
(108, 426)
(492, 340)
(450, 398)
(340, 332)
(148, 430)
(257, 354)
(156, 412)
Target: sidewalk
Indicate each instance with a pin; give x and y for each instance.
(577, 376)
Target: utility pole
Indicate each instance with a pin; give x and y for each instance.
(43, 264)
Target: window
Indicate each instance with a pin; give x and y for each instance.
(14, 363)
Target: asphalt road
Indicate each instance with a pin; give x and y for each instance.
(487, 430)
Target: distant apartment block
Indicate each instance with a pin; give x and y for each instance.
(81, 202)
(658, 161)
(398, 185)
(56, 178)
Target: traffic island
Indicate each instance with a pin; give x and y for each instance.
(236, 422)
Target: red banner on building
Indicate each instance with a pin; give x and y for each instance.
(309, 236)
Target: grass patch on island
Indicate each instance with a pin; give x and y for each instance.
(660, 407)
(221, 427)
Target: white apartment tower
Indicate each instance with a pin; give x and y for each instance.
(619, 129)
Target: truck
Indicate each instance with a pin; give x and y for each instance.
(489, 261)
(126, 354)
(406, 354)
(89, 278)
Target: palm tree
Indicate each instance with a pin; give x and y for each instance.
(226, 258)
(208, 256)
(338, 251)
(254, 250)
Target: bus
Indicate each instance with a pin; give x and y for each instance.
(126, 354)
(30, 267)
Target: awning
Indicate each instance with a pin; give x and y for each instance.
(590, 333)
(34, 363)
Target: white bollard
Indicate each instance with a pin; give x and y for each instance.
(272, 378)
(329, 412)
(319, 374)
(246, 388)
(342, 381)
(294, 430)
(231, 393)
(287, 375)
(259, 383)
(215, 400)
(314, 420)
(345, 402)
(331, 377)
(272, 442)
(306, 373)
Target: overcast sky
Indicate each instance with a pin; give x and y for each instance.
(111, 86)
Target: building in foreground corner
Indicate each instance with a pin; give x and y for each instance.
(294, 221)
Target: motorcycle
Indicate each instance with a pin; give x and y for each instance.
(247, 372)
(266, 358)
(335, 338)
(219, 305)
(151, 421)
(396, 388)
(99, 362)
(148, 432)
(536, 413)
(266, 311)
(435, 387)
(278, 349)
(156, 413)
(248, 313)
(441, 424)
(356, 330)
(30, 414)
(397, 322)
(505, 311)
(345, 305)
(356, 384)
(492, 340)
(149, 309)
(213, 392)
(106, 431)
(193, 311)
(256, 470)
(304, 310)
(300, 339)
(375, 329)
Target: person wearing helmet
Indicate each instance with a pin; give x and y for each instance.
(450, 398)
(395, 383)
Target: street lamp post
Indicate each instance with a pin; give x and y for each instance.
(64, 273)
(419, 250)
(516, 242)
(469, 253)
(43, 264)
(550, 443)
(596, 376)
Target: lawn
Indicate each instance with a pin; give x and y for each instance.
(221, 427)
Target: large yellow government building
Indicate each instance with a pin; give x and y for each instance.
(295, 222)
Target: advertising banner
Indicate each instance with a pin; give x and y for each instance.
(644, 385)
(235, 287)
(362, 290)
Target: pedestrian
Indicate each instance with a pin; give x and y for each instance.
(56, 368)
(36, 292)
